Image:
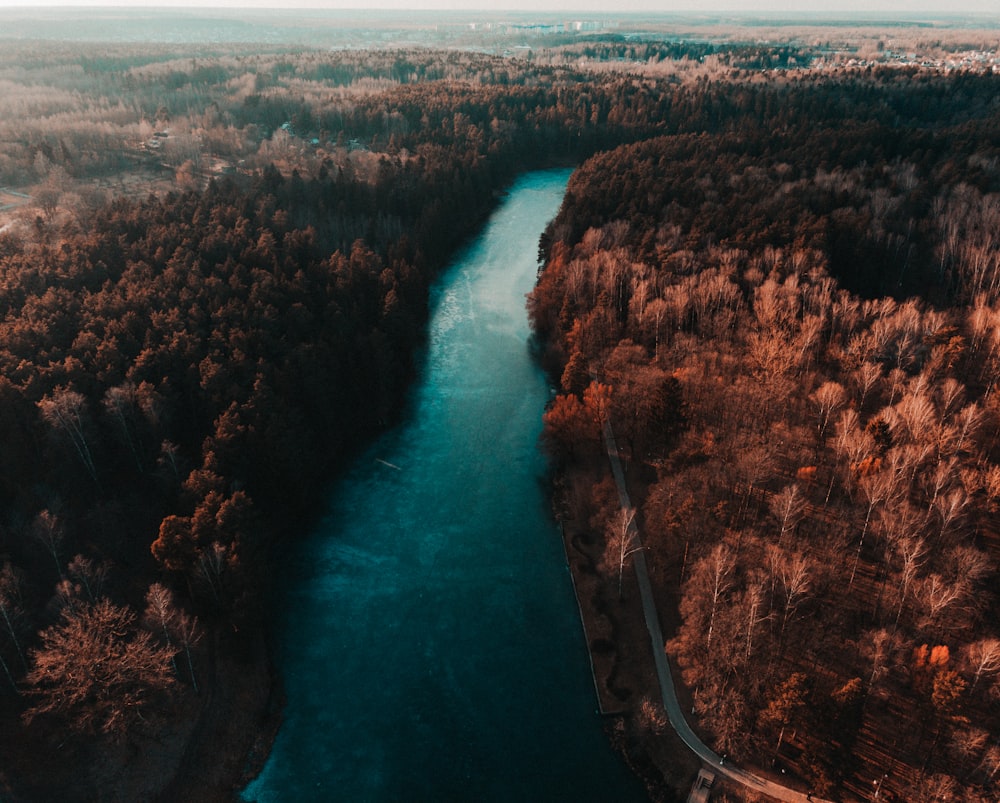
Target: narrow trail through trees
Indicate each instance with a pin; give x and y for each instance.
(670, 702)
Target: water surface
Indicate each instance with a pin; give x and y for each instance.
(430, 642)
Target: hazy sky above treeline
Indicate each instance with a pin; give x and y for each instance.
(841, 9)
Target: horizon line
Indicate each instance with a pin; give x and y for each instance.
(692, 10)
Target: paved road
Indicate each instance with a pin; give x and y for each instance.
(670, 703)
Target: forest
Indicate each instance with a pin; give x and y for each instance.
(789, 314)
(215, 269)
(189, 355)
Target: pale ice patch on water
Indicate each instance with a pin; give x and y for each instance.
(449, 314)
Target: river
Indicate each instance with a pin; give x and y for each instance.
(429, 639)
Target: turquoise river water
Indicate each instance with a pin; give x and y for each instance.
(429, 638)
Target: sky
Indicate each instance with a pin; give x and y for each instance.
(836, 8)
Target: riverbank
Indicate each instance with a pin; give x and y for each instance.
(649, 725)
(205, 751)
(625, 681)
(243, 711)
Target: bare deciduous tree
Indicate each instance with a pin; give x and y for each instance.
(211, 565)
(867, 377)
(178, 629)
(983, 658)
(622, 541)
(944, 474)
(97, 670)
(121, 403)
(937, 595)
(753, 608)
(967, 423)
(950, 394)
(911, 551)
(950, 508)
(717, 569)
(47, 528)
(876, 488)
(788, 507)
(827, 400)
(65, 410)
(794, 572)
(878, 646)
(89, 574)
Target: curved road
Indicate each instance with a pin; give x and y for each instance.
(670, 703)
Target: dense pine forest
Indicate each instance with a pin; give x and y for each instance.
(781, 286)
(789, 315)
